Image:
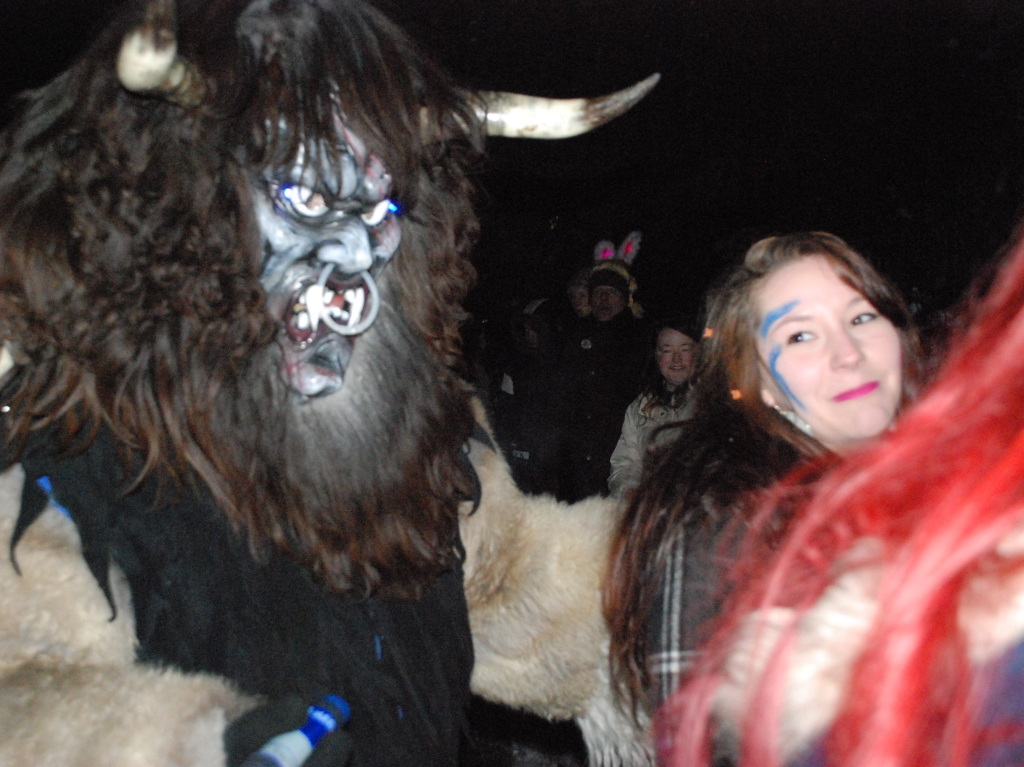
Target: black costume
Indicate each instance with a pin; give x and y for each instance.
(203, 603)
(526, 404)
(599, 375)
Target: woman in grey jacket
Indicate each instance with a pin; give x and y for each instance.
(662, 400)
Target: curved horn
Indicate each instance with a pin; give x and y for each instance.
(149, 60)
(515, 116)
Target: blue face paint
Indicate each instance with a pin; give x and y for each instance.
(773, 358)
(775, 315)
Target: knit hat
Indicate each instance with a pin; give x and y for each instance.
(610, 275)
(616, 275)
(611, 268)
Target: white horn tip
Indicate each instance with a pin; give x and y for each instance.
(514, 115)
(615, 104)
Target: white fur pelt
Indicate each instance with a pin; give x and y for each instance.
(71, 693)
(534, 568)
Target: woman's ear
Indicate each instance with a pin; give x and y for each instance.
(770, 395)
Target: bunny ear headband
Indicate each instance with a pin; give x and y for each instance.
(607, 256)
(606, 251)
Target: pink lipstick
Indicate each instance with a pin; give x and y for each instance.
(860, 391)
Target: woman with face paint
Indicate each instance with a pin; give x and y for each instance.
(808, 355)
(887, 626)
(833, 361)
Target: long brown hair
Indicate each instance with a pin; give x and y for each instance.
(733, 444)
(937, 498)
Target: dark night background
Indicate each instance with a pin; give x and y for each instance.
(898, 125)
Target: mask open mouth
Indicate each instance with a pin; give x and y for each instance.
(322, 311)
(327, 226)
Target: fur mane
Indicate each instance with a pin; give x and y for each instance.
(130, 292)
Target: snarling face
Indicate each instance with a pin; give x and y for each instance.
(193, 237)
(328, 228)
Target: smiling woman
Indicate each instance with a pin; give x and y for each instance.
(809, 353)
(887, 627)
(833, 363)
(804, 320)
(662, 401)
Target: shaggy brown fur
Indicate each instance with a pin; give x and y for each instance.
(133, 261)
(130, 280)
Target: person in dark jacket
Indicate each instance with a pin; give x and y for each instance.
(599, 375)
(526, 405)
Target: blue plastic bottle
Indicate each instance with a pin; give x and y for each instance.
(292, 749)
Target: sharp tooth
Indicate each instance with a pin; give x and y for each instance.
(314, 301)
(356, 299)
(302, 321)
(328, 296)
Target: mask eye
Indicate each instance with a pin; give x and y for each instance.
(303, 201)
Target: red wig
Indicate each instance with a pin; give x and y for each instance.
(937, 495)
